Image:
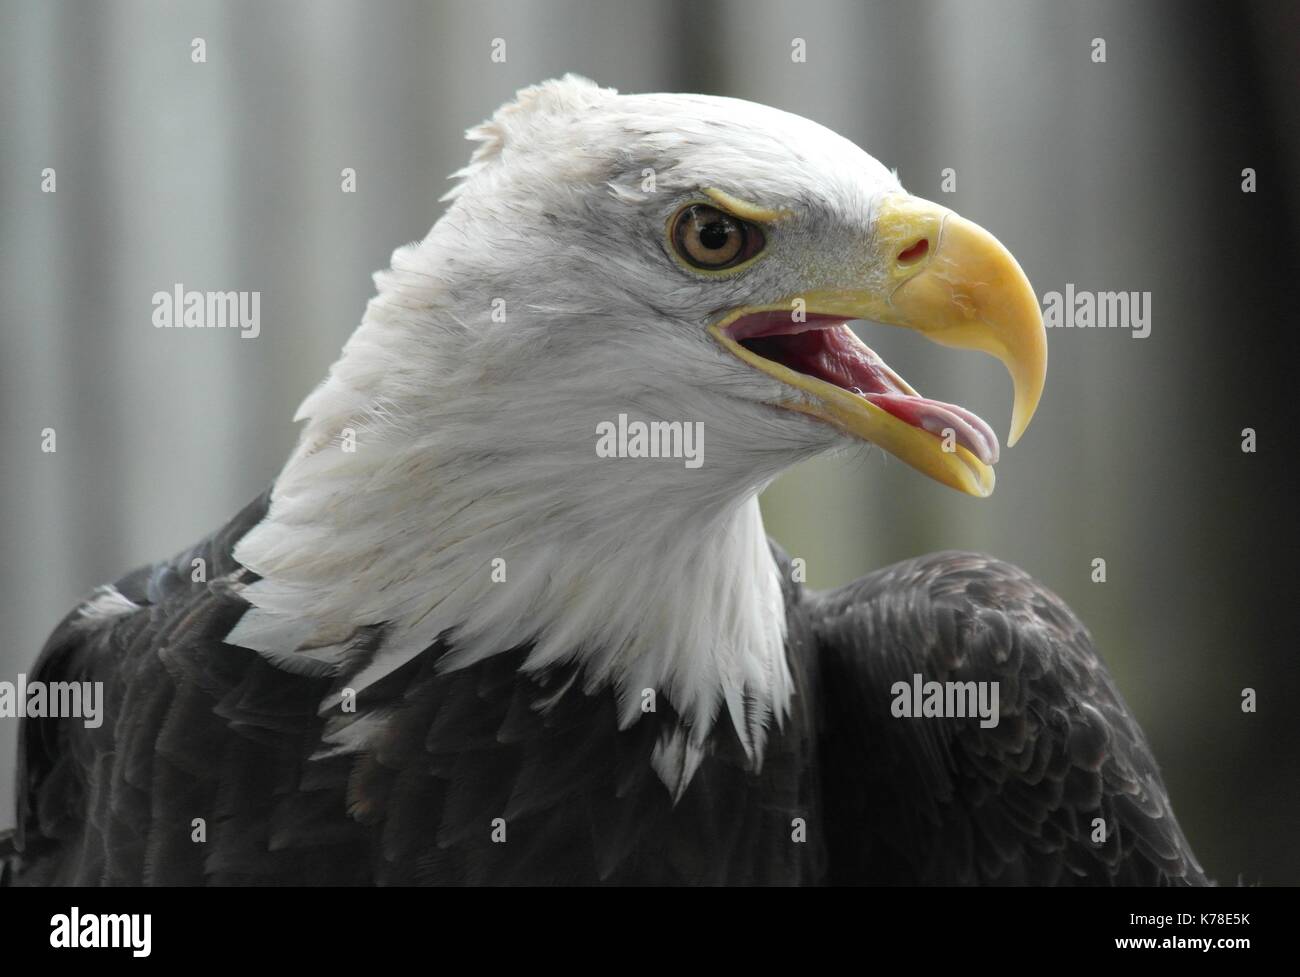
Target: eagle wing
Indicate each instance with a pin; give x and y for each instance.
(943, 800)
(121, 802)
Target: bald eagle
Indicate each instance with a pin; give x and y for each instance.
(459, 640)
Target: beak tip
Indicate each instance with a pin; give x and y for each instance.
(1019, 422)
(1020, 418)
(1028, 392)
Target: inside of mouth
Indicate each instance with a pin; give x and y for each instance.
(823, 347)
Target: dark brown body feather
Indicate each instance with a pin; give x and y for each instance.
(198, 729)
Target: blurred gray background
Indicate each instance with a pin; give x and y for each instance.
(1117, 176)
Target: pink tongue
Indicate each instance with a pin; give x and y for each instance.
(970, 431)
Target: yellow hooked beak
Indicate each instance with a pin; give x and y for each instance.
(951, 281)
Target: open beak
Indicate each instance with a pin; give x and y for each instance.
(936, 273)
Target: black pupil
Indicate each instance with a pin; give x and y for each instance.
(714, 236)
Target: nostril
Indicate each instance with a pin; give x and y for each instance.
(915, 253)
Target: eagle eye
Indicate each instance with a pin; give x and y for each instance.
(707, 238)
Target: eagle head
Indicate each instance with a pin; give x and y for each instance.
(699, 259)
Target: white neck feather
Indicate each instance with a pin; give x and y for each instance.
(471, 464)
